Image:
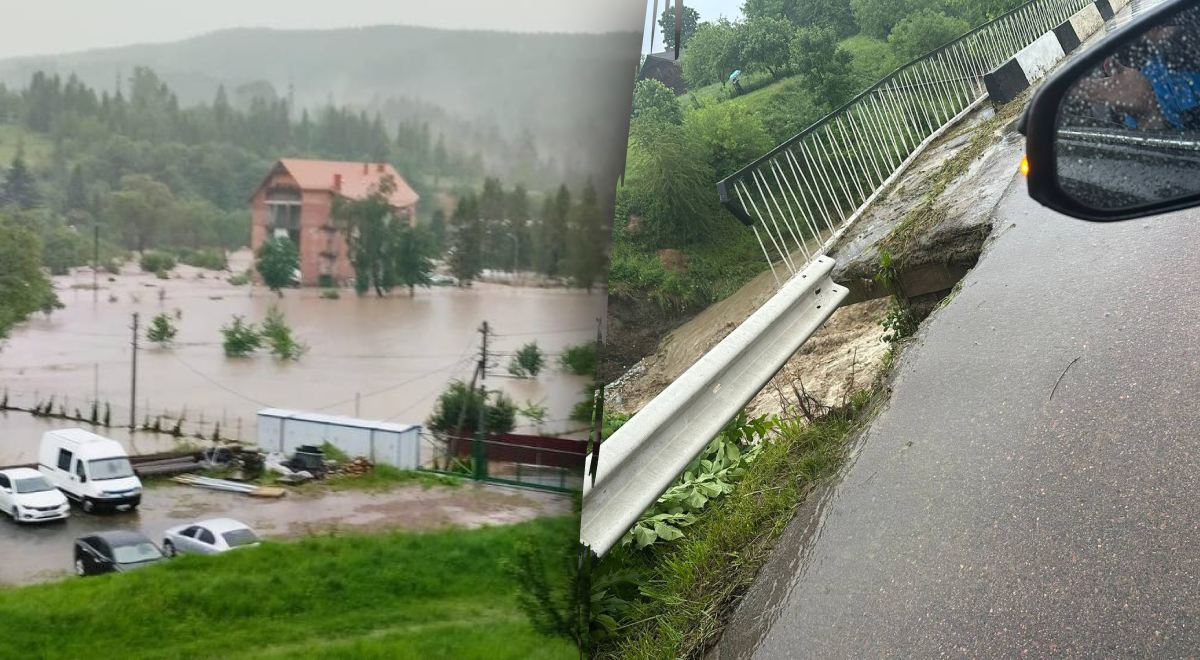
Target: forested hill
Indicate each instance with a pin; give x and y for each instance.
(568, 91)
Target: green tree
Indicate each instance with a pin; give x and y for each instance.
(239, 338)
(459, 402)
(411, 257)
(731, 134)
(437, 230)
(519, 241)
(161, 330)
(924, 31)
(527, 362)
(672, 183)
(766, 44)
(140, 208)
(654, 101)
(441, 159)
(76, 195)
(834, 14)
(713, 53)
(64, 249)
(588, 240)
(278, 336)
(666, 21)
(276, 262)
(877, 17)
(825, 66)
(24, 287)
(555, 232)
(367, 221)
(466, 252)
(20, 189)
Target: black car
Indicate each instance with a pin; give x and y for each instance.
(119, 551)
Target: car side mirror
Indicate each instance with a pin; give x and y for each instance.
(1115, 134)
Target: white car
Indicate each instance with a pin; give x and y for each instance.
(28, 496)
(209, 537)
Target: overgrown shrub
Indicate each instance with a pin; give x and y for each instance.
(278, 337)
(580, 359)
(240, 338)
(162, 329)
(154, 261)
(459, 401)
(528, 361)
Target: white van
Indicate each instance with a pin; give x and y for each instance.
(90, 469)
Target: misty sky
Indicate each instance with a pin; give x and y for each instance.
(709, 10)
(61, 26)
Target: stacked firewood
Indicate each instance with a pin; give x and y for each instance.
(355, 468)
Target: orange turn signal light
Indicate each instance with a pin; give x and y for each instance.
(1025, 165)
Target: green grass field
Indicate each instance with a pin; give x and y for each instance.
(403, 595)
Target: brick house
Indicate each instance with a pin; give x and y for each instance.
(296, 199)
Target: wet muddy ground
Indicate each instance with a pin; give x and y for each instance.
(38, 553)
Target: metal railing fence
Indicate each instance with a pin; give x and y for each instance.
(803, 194)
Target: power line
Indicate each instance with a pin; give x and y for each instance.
(223, 387)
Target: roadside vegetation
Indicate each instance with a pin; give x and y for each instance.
(667, 589)
(674, 247)
(346, 596)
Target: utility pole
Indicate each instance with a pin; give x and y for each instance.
(133, 377)
(95, 261)
(481, 433)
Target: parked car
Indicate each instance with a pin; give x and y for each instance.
(90, 469)
(114, 552)
(28, 496)
(209, 537)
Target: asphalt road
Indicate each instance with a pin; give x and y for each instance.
(983, 517)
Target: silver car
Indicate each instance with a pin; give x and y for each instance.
(209, 537)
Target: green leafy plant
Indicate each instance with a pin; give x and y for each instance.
(162, 329)
(528, 361)
(580, 359)
(709, 476)
(153, 261)
(240, 338)
(534, 412)
(278, 336)
(898, 322)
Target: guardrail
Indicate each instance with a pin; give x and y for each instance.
(643, 457)
(809, 190)
(804, 193)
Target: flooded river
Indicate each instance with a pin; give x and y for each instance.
(382, 358)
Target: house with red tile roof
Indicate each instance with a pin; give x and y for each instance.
(296, 200)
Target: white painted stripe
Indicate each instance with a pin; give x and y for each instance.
(1037, 58)
(1086, 22)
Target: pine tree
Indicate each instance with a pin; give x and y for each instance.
(588, 240)
(466, 258)
(20, 189)
(437, 231)
(411, 257)
(555, 216)
(76, 195)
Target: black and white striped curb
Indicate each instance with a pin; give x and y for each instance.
(1007, 81)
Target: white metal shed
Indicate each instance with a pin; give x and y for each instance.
(382, 442)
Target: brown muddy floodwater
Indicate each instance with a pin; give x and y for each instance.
(396, 353)
(39, 553)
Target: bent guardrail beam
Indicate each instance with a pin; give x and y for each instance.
(646, 455)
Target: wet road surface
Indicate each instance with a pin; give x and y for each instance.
(37, 553)
(983, 517)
